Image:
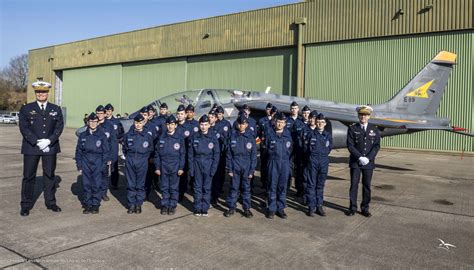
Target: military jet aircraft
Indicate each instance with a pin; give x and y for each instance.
(412, 109)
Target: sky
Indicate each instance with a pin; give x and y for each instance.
(31, 24)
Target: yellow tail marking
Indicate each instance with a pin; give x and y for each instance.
(421, 92)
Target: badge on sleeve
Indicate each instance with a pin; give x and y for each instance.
(327, 143)
(98, 143)
(249, 146)
(186, 133)
(176, 146)
(107, 134)
(145, 144)
(288, 144)
(115, 127)
(149, 132)
(196, 129)
(226, 128)
(211, 145)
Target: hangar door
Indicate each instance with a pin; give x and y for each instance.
(373, 71)
(86, 88)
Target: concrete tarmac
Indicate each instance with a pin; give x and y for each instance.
(418, 200)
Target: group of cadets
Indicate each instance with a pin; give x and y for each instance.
(167, 152)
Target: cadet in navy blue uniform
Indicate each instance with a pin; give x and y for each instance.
(108, 128)
(264, 124)
(169, 164)
(223, 129)
(92, 155)
(41, 124)
(163, 111)
(137, 146)
(363, 142)
(190, 116)
(241, 161)
(203, 156)
(191, 126)
(317, 145)
(119, 132)
(297, 127)
(279, 148)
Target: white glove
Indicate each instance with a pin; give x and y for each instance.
(43, 143)
(363, 161)
(46, 149)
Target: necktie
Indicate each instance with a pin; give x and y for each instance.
(42, 108)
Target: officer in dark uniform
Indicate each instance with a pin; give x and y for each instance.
(203, 156)
(92, 155)
(363, 142)
(119, 132)
(137, 146)
(169, 164)
(108, 128)
(241, 161)
(279, 147)
(317, 146)
(41, 124)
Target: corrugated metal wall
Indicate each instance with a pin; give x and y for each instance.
(84, 89)
(255, 70)
(145, 82)
(373, 71)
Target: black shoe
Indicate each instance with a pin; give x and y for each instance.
(138, 210)
(204, 213)
(197, 213)
(282, 214)
(310, 212)
(299, 193)
(87, 210)
(131, 210)
(366, 213)
(229, 212)
(24, 212)
(270, 215)
(164, 210)
(320, 211)
(350, 212)
(248, 213)
(172, 211)
(214, 203)
(54, 208)
(94, 210)
(105, 198)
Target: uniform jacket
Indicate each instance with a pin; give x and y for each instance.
(204, 147)
(241, 151)
(137, 144)
(362, 143)
(170, 153)
(35, 125)
(92, 148)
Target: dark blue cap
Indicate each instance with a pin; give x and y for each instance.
(203, 119)
(274, 109)
(138, 118)
(144, 110)
(213, 111)
(280, 116)
(269, 106)
(321, 117)
(92, 117)
(171, 119)
(190, 107)
(293, 104)
(100, 108)
(150, 108)
(313, 114)
(242, 119)
(164, 106)
(245, 107)
(109, 107)
(181, 108)
(306, 108)
(219, 109)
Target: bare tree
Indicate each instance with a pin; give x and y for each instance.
(16, 73)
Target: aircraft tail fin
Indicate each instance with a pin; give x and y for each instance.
(422, 95)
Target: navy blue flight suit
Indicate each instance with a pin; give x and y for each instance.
(189, 128)
(37, 124)
(362, 144)
(279, 149)
(137, 147)
(151, 179)
(169, 159)
(222, 129)
(299, 160)
(108, 129)
(317, 147)
(264, 123)
(203, 156)
(92, 154)
(119, 132)
(241, 160)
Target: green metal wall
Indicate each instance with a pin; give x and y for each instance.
(373, 71)
(250, 70)
(84, 89)
(144, 82)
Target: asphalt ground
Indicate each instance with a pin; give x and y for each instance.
(418, 198)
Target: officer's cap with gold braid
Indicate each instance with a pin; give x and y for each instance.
(364, 109)
(41, 86)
